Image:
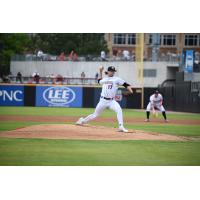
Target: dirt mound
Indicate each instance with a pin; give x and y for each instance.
(86, 132)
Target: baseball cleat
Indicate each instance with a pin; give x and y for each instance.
(146, 120)
(122, 129)
(166, 120)
(80, 121)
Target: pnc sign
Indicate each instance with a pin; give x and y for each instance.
(11, 95)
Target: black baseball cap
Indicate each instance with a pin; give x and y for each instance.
(111, 69)
(156, 91)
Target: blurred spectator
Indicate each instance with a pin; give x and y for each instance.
(6, 79)
(119, 53)
(73, 56)
(59, 79)
(82, 77)
(34, 73)
(115, 52)
(50, 79)
(103, 56)
(36, 77)
(1, 80)
(19, 77)
(126, 55)
(133, 55)
(52, 76)
(88, 57)
(40, 54)
(62, 57)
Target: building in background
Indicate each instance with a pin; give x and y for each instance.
(171, 45)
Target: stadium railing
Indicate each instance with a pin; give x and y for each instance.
(51, 80)
(170, 57)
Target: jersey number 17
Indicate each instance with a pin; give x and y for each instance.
(110, 86)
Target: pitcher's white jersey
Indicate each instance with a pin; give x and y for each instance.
(156, 101)
(107, 100)
(110, 86)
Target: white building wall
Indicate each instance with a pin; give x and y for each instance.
(125, 70)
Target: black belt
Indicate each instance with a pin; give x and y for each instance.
(107, 98)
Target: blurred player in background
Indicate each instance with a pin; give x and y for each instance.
(155, 104)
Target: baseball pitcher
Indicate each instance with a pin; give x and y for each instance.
(107, 99)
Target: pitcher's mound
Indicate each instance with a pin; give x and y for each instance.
(86, 132)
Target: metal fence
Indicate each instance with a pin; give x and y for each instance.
(169, 57)
(183, 96)
(50, 80)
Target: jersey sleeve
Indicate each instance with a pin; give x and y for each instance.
(120, 81)
(102, 81)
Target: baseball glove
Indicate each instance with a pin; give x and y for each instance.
(126, 93)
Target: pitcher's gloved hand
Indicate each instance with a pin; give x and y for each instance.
(127, 93)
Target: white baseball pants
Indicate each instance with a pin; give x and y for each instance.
(159, 107)
(102, 105)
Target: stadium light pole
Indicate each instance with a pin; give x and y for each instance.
(139, 58)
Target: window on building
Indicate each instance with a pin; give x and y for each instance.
(191, 40)
(119, 38)
(169, 40)
(150, 72)
(157, 39)
(132, 38)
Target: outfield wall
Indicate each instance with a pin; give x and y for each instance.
(64, 96)
(176, 98)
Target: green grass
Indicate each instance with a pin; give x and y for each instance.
(173, 129)
(31, 152)
(76, 152)
(184, 130)
(12, 125)
(44, 111)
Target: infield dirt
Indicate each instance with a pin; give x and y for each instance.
(86, 132)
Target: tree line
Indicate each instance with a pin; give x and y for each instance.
(51, 43)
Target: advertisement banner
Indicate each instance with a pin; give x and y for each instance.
(120, 99)
(58, 96)
(189, 60)
(11, 95)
